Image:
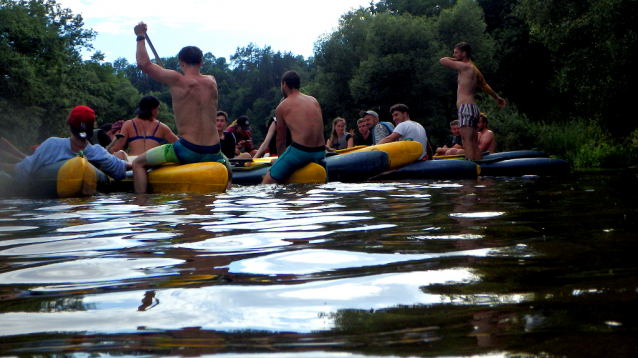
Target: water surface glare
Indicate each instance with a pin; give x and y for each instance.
(493, 267)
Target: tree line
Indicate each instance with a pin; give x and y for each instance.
(555, 62)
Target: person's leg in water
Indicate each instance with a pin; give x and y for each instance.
(140, 176)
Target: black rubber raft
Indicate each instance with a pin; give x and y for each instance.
(347, 168)
(515, 163)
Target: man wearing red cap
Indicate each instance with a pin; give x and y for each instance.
(195, 107)
(81, 122)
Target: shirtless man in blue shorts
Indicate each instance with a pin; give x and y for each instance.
(301, 115)
(469, 78)
(195, 108)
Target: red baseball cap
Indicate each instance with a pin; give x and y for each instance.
(82, 118)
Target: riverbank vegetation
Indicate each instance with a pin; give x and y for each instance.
(562, 66)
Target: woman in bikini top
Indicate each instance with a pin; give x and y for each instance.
(144, 131)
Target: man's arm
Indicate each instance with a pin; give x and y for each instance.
(262, 149)
(282, 129)
(452, 63)
(482, 84)
(391, 138)
(159, 74)
(169, 135)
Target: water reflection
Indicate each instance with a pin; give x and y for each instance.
(90, 270)
(305, 262)
(434, 268)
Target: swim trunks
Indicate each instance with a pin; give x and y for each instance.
(468, 115)
(183, 152)
(295, 157)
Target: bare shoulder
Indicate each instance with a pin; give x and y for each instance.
(209, 80)
(467, 66)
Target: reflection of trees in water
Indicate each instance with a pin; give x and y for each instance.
(68, 304)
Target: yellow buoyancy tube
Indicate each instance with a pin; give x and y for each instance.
(401, 153)
(202, 178)
(76, 177)
(312, 173)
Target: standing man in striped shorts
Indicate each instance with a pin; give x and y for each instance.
(469, 78)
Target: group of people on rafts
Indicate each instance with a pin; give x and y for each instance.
(295, 134)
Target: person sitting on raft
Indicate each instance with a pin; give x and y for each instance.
(299, 114)
(454, 144)
(142, 132)
(240, 128)
(81, 122)
(486, 138)
(194, 99)
(407, 128)
(365, 137)
(227, 139)
(269, 144)
(339, 138)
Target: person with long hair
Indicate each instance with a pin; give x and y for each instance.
(339, 139)
(143, 132)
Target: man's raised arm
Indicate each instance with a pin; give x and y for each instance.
(451, 63)
(156, 72)
(480, 83)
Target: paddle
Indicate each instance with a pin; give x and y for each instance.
(157, 58)
(117, 137)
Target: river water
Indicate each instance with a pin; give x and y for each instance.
(493, 267)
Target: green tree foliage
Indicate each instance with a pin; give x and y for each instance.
(377, 58)
(42, 75)
(525, 69)
(413, 7)
(593, 44)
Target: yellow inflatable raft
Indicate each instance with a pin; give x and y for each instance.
(401, 153)
(202, 178)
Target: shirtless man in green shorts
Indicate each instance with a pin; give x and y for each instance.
(469, 78)
(195, 108)
(301, 115)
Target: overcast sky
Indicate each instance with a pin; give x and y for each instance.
(212, 25)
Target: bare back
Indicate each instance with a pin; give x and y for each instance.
(195, 108)
(141, 130)
(467, 84)
(487, 141)
(302, 115)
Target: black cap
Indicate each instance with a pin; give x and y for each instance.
(147, 104)
(243, 122)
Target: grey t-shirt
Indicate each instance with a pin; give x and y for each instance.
(381, 131)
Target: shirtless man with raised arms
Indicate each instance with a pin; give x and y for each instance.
(301, 115)
(195, 108)
(469, 78)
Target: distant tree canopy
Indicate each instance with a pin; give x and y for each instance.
(383, 56)
(42, 75)
(593, 45)
(552, 60)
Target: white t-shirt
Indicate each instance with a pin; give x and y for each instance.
(414, 130)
